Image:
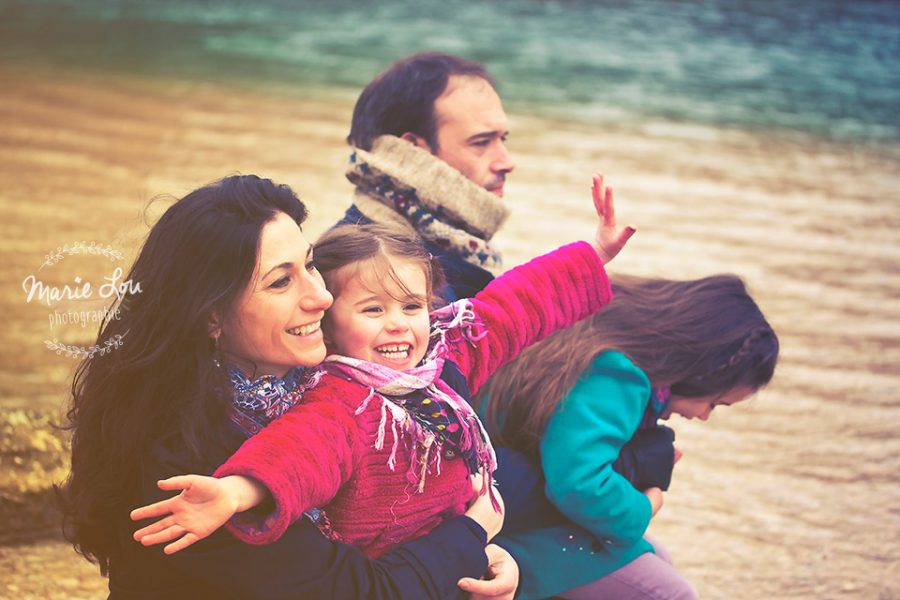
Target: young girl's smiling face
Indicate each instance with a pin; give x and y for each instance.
(380, 313)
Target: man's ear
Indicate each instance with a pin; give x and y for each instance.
(416, 140)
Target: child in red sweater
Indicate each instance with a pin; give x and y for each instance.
(383, 439)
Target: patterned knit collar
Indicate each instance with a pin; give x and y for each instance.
(398, 178)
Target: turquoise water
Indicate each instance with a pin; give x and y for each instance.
(821, 67)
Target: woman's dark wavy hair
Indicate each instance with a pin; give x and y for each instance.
(699, 337)
(401, 98)
(163, 381)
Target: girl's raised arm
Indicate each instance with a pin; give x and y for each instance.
(204, 505)
(609, 239)
(551, 292)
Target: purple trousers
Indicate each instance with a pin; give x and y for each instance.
(648, 577)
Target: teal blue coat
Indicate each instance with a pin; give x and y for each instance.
(605, 516)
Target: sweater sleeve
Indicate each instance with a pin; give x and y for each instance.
(581, 443)
(303, 458)
(528, 303)
(301, 565)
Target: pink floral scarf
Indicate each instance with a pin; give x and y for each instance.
(419, 404)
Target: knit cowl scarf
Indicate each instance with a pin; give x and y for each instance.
(417, 403)
(396, 181)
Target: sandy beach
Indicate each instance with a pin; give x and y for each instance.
(793, 495)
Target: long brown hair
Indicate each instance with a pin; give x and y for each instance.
(699, 337)
(163, 381)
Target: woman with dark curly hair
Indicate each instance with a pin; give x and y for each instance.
(163, 404)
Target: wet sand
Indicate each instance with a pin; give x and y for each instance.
(793, 495)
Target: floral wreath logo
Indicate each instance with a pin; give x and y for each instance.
(82, 290)
(80, 248)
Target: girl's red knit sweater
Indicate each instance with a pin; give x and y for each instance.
(322, 454)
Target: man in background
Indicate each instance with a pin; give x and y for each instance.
(429, 137)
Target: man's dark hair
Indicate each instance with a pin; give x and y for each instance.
(401, 98)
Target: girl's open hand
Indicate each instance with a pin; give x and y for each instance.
(609, 239)
(204, 505)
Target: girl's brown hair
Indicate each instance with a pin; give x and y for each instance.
(699, 337)
(354, 244)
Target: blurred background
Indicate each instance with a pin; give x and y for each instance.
(759, 138)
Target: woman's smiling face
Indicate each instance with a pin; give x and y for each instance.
(276, 322)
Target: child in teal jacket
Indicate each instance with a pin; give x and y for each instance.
(572, 403)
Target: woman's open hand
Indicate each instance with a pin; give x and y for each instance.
(609, 239)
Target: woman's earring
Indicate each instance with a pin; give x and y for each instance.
(215, 341)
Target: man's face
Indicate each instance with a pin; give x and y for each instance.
(472, 130)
